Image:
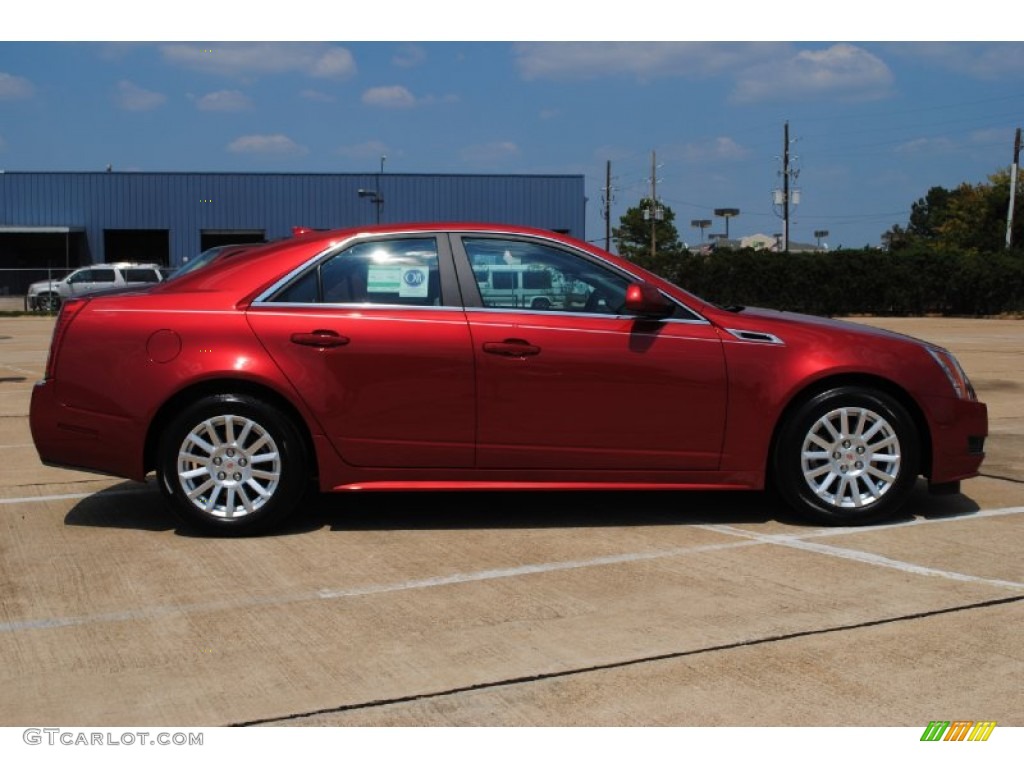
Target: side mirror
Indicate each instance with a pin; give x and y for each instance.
(647, 301)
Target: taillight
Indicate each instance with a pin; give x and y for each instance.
(68, 310)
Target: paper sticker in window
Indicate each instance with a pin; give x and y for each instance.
(415, 281)
(384, 280)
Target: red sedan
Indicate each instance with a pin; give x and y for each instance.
(466, 356)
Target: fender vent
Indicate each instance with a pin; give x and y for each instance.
(756, 336)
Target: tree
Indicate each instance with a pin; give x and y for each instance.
(928, 213)
(970, 217)
(633, 235)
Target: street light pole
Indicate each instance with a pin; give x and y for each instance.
(727, 213)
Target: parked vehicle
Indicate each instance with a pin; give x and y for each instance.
(377, 359)
(48, 295)
(208, 256)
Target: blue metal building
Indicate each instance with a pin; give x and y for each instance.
(65, 219)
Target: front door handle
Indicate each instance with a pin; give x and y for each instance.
(321, 338)
(511, 348)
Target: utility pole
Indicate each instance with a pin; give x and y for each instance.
(608, 206)
(654, 203)
(785, 188)
(1013, 188)
(788, 194)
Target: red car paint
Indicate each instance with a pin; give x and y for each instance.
(458, 395)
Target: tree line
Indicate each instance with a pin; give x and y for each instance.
(949, 259)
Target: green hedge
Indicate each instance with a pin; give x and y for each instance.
(853, 282)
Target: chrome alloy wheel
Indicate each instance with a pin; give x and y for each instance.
(229, 466)
(851, 457)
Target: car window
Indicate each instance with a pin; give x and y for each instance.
(141, 276)
(94, 275)
(400, 271)
(530, 275)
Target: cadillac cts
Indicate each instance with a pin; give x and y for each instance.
(465, 356)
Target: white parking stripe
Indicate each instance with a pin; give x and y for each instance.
(63, 496)
(153, 612)
(800, 541)
(749, 539)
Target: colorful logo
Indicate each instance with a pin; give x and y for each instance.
(958, 730)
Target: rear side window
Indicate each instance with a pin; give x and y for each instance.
(141, 276)
(400, 272)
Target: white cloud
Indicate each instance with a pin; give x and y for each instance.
(644, 60)
(334, 62)
(310, 94)
(929, 145)
(364, 151)
(719, 149)
(843, 70)
(224, 101)
(491, 153)
(390, 97)
(985, 61)
(409, 56)
(246, 59)
(14, 87)
(996, 136)
(266, 144)
(135, 98)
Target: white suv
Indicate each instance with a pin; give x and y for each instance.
(47, 295)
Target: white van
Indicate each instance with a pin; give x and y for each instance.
(525, 286)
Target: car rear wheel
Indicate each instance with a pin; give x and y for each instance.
(847, 456)
(232, 465)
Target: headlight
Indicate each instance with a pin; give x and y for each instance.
(957, 378)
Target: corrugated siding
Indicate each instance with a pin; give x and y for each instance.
(187, 203)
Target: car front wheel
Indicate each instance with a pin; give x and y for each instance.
(232, 465)
(48, 302)
(847, 456)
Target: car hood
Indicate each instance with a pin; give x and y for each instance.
(760, 318)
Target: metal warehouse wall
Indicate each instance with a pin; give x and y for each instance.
(186, 203)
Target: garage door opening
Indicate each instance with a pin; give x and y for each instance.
(143, 246)
(30, 254)
(210, 238)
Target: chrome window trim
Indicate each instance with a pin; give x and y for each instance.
(697, 320)
(264, 298)
(354, 306)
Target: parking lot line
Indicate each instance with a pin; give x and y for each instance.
(747, 539)
(801, 543)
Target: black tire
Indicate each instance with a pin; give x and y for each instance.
(541, 303)
(48, 302)
(852, 476)
(232, 465)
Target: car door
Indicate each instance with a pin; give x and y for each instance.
(89, 280)
(575, 383)
(374, 338)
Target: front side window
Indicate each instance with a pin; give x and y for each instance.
(95, 275)
(393, 272)
(530, 275)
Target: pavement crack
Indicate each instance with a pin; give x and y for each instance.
(1003, 478)
(520, 680)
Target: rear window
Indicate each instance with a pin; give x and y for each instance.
(141, 276)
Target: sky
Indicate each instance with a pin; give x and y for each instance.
(872, 125)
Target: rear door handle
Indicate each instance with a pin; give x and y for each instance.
(511, 348)
(321, 338)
